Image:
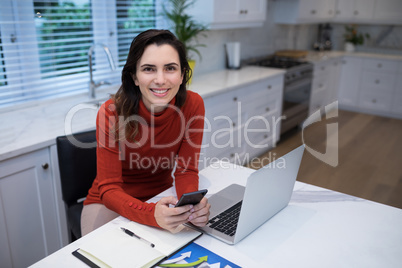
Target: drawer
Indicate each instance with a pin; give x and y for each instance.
(227, 145)
(264, 106)
(321, 68)
(263, 89)
(317, 101)
(378, 102)
(380, 65)
(378, 82)
(229, 99)
(259, 140)
(319, 84)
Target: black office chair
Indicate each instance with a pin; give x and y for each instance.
(77, 163)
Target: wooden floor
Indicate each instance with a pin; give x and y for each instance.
(370, 157)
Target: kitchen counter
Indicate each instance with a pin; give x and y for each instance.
(315, 56)
(32, 128)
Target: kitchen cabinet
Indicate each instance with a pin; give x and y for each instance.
(325, 84)
(350, 81)
(225, 14)
(353, 11)
(242, 123)
(377, 84)
(29, 214)
(371, 85)
(388, 11)
(304, 11)
(397, 100)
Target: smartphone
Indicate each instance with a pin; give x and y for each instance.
(191, 198)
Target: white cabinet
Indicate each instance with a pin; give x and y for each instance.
(242, 123)
(349, 11)
(304, 11)
(397, 100)
(388, 11)
(371, 85)
(224, 14)
(29, 215)
(377, 84)
(325, 84)
(350, 81)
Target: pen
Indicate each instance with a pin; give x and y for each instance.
(134, 235)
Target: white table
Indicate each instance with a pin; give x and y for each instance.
(319, 228)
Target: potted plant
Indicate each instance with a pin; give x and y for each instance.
(185, 27)
(353, 38)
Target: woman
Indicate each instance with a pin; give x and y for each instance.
(148, 126)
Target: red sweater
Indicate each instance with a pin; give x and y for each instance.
(130, 173)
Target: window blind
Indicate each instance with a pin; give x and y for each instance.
(44, 44)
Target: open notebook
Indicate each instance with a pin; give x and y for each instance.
(115, 248)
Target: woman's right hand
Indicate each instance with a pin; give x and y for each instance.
(170, 218)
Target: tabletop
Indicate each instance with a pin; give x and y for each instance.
(319, 228)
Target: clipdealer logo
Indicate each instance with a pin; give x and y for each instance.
(331, 155)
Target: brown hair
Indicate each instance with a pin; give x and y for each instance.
(127, 98)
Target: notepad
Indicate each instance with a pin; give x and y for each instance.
(115, 248)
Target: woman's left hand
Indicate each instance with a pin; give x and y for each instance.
(200, 216)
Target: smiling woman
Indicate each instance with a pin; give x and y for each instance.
(158, 76)
(154, 119)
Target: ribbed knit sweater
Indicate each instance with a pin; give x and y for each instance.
(128, 174)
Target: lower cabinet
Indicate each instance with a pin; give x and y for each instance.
(29, 214)
(325, 84)
(371, 85)
(243, 123)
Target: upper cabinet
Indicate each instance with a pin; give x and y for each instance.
(341, 11)
(388, 11)
(354, 10)
(303, 11)
(225, 14)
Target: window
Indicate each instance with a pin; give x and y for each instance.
(44, 44)
(2, 68)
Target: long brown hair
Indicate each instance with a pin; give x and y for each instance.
(127, 98)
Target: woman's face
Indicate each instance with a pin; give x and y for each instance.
(158, 76)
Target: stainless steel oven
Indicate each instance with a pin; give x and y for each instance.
(296, 88)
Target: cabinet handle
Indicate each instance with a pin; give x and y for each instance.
(243, 11)
(235, 99)
(374, 100)
(313, 11)
(267, 109)
(234, 124)
(45, 166)
(269, 86)
(232, 155)
(379, 65)
(377, 81)
(265, 136)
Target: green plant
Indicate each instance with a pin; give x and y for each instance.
(184, 26)
(351, 35)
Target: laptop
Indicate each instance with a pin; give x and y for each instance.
(268, 191)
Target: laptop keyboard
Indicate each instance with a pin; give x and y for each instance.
(226, 222)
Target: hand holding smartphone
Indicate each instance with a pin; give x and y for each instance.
(192, 198)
